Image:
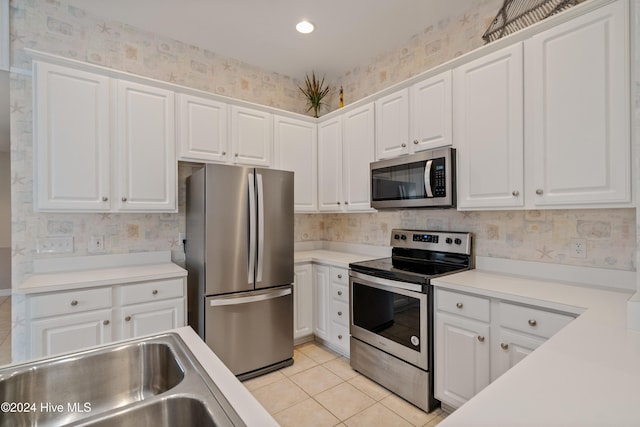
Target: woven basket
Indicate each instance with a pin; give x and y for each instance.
(515, 15)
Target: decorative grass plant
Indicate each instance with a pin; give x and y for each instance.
(315, 92)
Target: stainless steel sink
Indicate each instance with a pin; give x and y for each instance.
(147, 380)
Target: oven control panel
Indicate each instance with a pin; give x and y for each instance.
(443, 241)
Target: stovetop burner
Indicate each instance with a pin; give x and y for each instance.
(419, 256)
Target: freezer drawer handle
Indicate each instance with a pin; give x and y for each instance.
(246, 300)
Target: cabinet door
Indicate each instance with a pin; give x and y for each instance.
(296, 151)
(147, 164)
(330, 165)
(71, 139)
(62, 334)
(357, 153)
(202, 129)
(144, 319)
(392, 125)
(488, 130)
(509, 349)
(303, 301)
(577, 93)
(321, 299)
(251, 136)
(430, 118)
(461, 358)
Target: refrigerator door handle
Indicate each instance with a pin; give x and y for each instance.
(252, 230)
(246, 300)
(259, 262)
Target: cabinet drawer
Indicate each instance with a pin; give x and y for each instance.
(54, 304)
(340, 313)
(340, 292)
(474, 307)
(340, 337)
(152, 291)
(532, 320)
(340, 275)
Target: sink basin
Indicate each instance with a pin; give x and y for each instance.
(169, 412)
(152, 381)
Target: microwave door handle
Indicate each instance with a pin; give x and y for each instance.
(252, 230)
(427, 178)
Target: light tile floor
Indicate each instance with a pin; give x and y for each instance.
(320, 389)
(5, 330)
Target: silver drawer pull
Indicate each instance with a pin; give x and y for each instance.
(74, 303)
(339, 313)
(154, 292)
(339, 337)
(532, 322)
(339, 276)
(127, 319)
(340, 293)
(459, 305)
(104, 199)
(504, 346)
(539, 192)
(515, 193)
(480, 338)
(124, 199)
(105, 322)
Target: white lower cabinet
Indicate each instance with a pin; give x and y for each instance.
(65, 321)
(303, 301)
(478, 338)
(331, 307)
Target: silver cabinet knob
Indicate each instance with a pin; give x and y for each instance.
(346, 203)
(339, 293)
(504, 346)
(224, 153)
(339, 313)
(124, 199)
(338, 202)
(415, 141)
(459, 305)
(105, 322)
(104, 199)
(339, 276)
(154, 292)
(480, 338)
(539, 192)
(403, 145)
(127, 319)
(74, 303)
(532, 322)
(515, 193)
(235, 155)
(339, 337)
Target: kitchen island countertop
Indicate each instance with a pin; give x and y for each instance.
(588, 374)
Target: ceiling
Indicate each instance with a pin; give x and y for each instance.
(262, 33)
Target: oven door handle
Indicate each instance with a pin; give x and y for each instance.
(403, 288)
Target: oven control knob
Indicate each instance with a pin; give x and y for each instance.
(448, 240)
(415, 340)
(396, 236)
(458, 242)
(403, 237)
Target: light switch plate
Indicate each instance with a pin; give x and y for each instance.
(96, 244)
(55, 245)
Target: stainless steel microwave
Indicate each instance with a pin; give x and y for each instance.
(421, 180)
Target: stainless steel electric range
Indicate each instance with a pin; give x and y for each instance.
(392, 310)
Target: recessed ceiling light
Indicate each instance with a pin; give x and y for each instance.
(304, 27)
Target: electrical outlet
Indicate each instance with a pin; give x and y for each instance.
(55, 245)
(181, 238)
(96, 244)
(579, 248)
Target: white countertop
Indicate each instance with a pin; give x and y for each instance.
(247, 407)
(324, 256)
(588, 374)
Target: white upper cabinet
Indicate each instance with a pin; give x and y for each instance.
(488, 129)
(392, 124)
(202, 129)
(72, 137)
(430, 119)
(330, 165)
(251, 136)
(146, 148)
(345, 150)
(357, 153)
(577, 101)
(296, 150)
(415, 119)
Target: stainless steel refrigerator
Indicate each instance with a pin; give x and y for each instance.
(239, 255)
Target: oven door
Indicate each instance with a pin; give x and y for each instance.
(391, 317)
